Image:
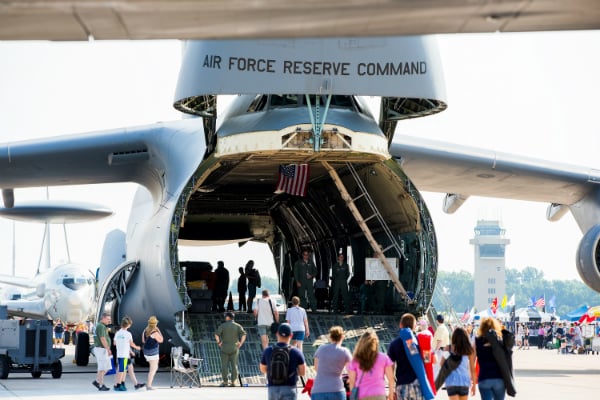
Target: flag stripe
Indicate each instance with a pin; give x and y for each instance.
(541, 302)
(293, 179)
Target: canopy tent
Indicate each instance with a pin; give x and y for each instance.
(594, 311)
(547, 317)
(531, 315)
(576, 314)
(501, 316)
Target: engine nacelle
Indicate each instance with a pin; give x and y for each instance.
(588, 258)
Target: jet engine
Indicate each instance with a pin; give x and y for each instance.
(588, 258)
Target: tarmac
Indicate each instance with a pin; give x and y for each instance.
(539, 374)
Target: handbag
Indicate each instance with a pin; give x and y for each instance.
(113, 369)
(275, 324)
(354, 391)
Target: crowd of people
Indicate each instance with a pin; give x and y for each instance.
(343, 293)
(417, 363)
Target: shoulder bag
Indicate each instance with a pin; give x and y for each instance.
(354, 391)
(275, 324)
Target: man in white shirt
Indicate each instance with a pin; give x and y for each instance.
(265, 313)
(441, 342)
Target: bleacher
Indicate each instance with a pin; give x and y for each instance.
(204, 326)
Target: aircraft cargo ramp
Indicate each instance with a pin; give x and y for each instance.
(204, 326)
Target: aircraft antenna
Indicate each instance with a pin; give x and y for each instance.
(67, 242)
(46, 227)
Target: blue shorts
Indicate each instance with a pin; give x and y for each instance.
(298, 335)
(122, 364)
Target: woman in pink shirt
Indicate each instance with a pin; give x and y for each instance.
(369, 368)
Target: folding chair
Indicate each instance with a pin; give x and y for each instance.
(185, 370)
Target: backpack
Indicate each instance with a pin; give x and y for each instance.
(258, 282)
(279, 365)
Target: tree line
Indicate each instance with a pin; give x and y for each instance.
(458, 288)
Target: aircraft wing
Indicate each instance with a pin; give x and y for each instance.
(140, 154)
(463, 171)
(437, 166)
(18, 281)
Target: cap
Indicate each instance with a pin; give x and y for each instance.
(230, 314)
(423, 323)
(440, 318)
(284, 330)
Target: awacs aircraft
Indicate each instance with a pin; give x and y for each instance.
(296, 161)
(65, 291)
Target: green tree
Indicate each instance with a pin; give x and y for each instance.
(456, 290)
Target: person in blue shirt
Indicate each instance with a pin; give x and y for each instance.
(296, 366)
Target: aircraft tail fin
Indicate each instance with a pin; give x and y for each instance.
(113, 254)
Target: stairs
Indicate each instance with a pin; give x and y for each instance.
(203, 327)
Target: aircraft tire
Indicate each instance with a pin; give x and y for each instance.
(56, 369)
(82, 349)
(4, 367)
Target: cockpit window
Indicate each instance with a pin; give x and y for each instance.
(75, 283)
(285, 100)
(258, 104)
(296, 100)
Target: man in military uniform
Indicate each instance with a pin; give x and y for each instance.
(340, 272)
(304, 273)
(230, 337)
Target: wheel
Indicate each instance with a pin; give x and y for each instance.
(4, 367)
(56, 369)
(36, 374)
(82, 349)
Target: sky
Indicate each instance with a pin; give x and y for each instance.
(532, 94)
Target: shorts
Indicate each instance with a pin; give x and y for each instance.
(151, 358)
(102, 359)
(58, 335)
(123, 364)
(409, 391)
(263, 329)
(457, 390)
(298, 335)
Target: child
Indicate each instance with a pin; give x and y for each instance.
(124, 343)
(463, 377)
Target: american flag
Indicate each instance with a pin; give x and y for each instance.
(494, 305)
(541, 302)
(293, 179)
(465, 316)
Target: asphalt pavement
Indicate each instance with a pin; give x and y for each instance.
(540, 374)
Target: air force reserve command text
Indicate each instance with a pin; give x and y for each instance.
(298, 67)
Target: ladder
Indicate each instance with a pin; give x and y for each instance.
(362, 222)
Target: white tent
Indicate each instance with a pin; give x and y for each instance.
(499, 315)
(529, 314)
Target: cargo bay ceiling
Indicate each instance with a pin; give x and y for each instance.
(184, 19)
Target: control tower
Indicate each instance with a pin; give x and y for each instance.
(490, 264)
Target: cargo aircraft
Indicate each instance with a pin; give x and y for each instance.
(296, 161)
(66, 291)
